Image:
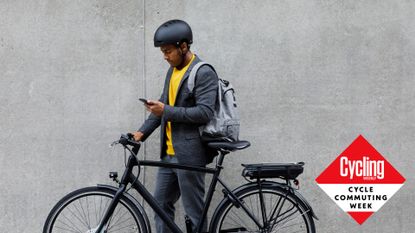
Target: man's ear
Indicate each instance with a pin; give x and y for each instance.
(184, 47)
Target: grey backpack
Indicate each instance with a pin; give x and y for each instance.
(225, 124)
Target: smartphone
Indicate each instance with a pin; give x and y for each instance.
(143, 100)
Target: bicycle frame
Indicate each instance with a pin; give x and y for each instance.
(129, 178)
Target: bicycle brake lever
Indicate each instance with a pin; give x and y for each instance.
(113, 144)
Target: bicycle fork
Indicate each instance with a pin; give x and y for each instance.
(110, 210)
(122, 187)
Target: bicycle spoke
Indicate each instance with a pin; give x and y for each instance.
(64, 216)
(257, 201)
(82, 207)
(100, 210)
(68, 230)
(82, 213)
(241, 222)
(251, 208)
(112, 216)
(282, 223)
(96, 212)
(87, 210)
(122, 224)
(82, 210)
(121, 228)
(105, 208)
(113, 220)
(286, 214)
(274, 209)
(71, 228)
(282, 214)
(118, 220)
(76, 216)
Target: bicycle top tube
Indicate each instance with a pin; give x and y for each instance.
(151, 163)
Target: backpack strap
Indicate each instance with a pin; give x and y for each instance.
(192, 76)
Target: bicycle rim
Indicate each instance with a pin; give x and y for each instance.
(280, 214)
(82, 212)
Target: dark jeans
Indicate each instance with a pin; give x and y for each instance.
(173, 183)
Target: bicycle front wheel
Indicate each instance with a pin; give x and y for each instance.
(82, 210)
(275, 211)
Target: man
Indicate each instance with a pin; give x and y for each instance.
(180, 112)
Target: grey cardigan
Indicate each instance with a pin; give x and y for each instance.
(189, 112)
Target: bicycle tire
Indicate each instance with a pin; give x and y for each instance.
(81, 210)
(294, 215)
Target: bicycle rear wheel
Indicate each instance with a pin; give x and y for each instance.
(279, 212)
(81, 212)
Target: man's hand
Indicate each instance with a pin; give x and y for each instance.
(155, 107)
(137, 135)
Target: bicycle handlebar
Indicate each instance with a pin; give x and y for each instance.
(128, 140)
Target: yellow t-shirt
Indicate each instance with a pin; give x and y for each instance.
(176, 78)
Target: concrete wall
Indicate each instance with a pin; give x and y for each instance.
(310, 77)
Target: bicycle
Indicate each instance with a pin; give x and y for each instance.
(260, 205)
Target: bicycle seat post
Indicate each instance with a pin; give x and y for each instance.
(222, 154)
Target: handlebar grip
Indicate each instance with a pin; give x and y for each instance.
(129, 140)
(130, 136)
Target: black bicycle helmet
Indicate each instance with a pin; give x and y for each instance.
(173, 32)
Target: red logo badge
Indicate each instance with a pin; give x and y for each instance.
(360, 180)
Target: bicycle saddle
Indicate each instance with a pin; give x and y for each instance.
(229, 146)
